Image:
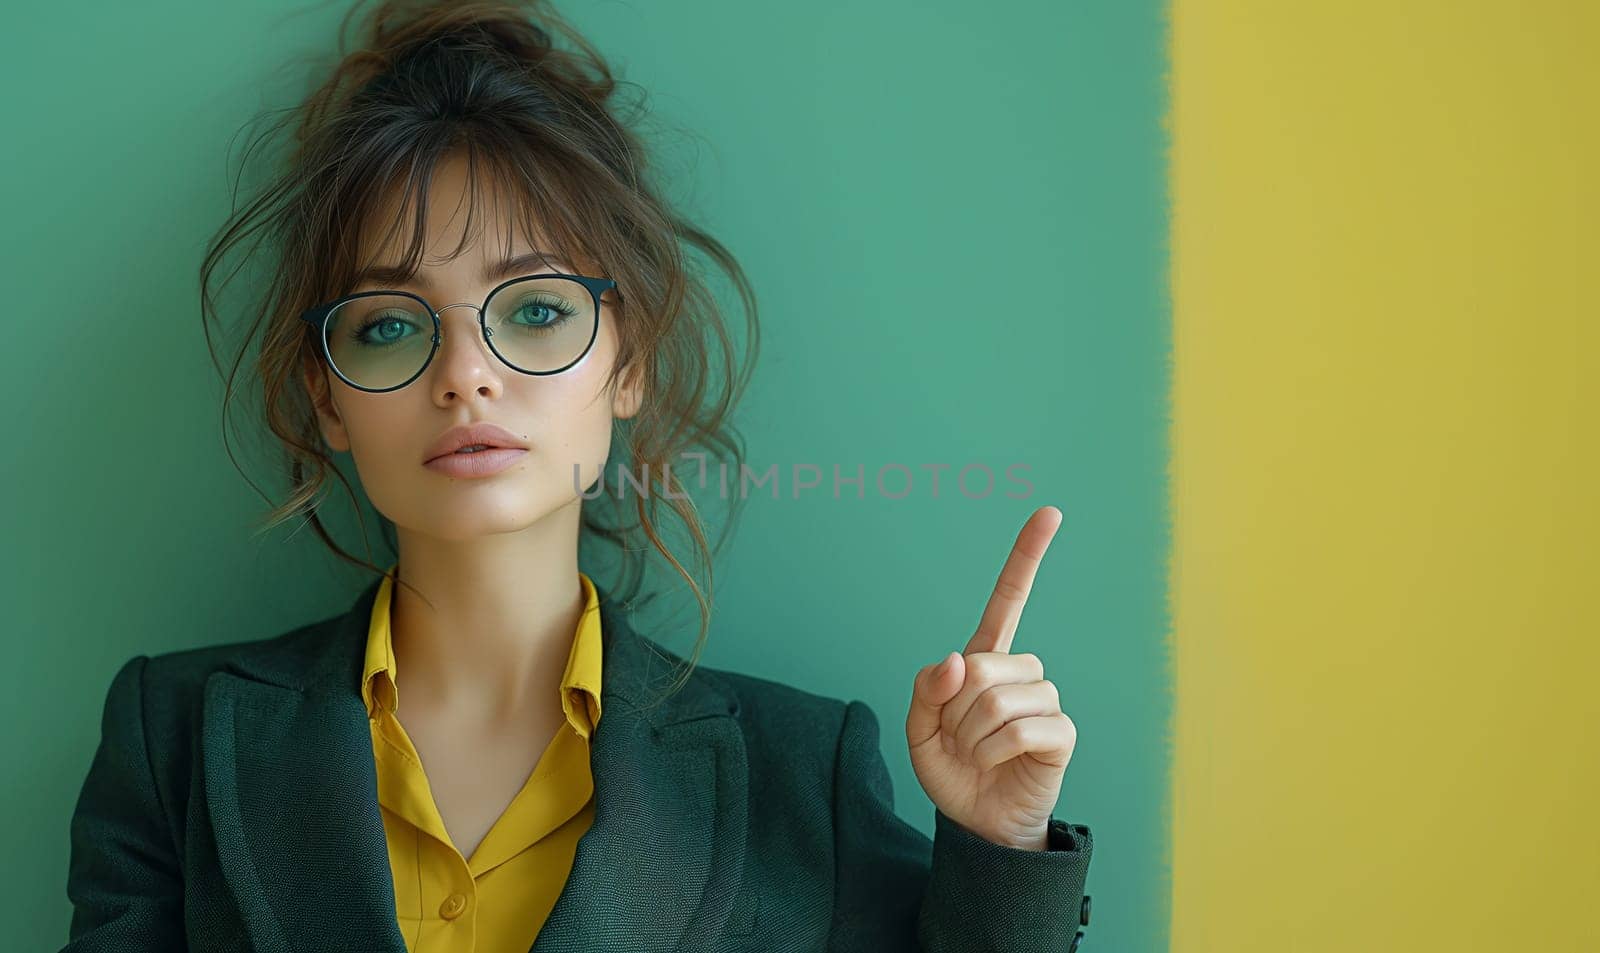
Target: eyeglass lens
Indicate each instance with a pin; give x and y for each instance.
(537, 325)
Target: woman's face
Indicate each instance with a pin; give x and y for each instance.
(564, 419)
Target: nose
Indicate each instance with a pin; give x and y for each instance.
(464, 364)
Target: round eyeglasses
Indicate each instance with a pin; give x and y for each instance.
(380, 341)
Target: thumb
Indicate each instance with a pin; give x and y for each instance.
(933, 689)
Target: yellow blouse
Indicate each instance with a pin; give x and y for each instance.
(498, 899)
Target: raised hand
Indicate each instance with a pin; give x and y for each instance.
(989, 741)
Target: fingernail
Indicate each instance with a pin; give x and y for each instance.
(944, 666)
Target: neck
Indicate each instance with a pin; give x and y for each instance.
(495, 640)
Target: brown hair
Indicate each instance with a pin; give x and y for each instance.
(545, 126)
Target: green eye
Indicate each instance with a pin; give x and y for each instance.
(390, 329)
(545, 312)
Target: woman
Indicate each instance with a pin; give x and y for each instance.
(544, 789)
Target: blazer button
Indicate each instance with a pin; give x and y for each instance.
(453, 906)
(1075, 941)
(1083, 911)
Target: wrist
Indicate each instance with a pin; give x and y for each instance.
(1039, 841)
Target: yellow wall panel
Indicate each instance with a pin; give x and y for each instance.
(1385, 533)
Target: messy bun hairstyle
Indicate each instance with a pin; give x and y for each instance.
(542, 125)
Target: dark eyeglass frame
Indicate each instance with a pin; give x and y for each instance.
(317, 318)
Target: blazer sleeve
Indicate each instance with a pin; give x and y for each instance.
(123, 878)
(893, 891)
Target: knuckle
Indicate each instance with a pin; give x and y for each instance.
(994, 705)
(1008, 589)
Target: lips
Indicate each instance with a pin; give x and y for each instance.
(472, 465)
(481, 433)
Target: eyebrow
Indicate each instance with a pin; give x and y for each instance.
(392, 276)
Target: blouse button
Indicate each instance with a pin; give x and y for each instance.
(452, 906)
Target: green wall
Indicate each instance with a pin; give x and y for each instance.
(953, 215)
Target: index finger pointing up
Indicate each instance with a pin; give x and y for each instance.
(1000, 616)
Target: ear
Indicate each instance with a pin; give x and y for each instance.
(629, 394)
(319, 389)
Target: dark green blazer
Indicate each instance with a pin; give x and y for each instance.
(232, 805)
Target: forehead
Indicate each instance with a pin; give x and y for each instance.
(465, 217)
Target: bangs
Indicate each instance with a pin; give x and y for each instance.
(523, 193)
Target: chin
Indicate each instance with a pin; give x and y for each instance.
(467, 509)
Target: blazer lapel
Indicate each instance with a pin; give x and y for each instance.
(662, 864)
(291, 791)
